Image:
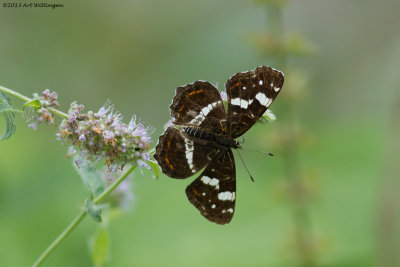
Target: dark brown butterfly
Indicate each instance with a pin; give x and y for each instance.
(203, 133)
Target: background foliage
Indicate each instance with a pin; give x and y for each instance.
(136, 53)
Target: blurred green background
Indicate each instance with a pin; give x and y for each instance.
(136, 53)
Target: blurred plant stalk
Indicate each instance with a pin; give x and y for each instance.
(388, 209)
(280, 47)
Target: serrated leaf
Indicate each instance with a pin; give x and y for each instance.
(93, 210)
(155, 168)
(6, 110)
(35, 103)
(99, 247)
(91, 178)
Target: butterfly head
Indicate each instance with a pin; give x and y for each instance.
(236, 144)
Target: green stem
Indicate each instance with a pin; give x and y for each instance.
(80, 217)
(113, 185)
(14, 93)
(58, 112)
(27, 99)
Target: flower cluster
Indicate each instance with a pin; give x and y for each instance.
(35, 116)
(103, 135)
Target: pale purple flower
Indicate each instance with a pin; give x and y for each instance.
(108, 134)
(53, 96)
(131, 125)
(139, 131)
(72, 117)
(82, 137)
(71, 151)
(145, 139)
(104, 109)
(224, 96)
(80, 162)
(59, 136)
(46, 93)
(145, 156)
(143, 164)
(32, 125)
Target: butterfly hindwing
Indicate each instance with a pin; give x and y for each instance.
(249, 96)
(180, 155)
(213, 193)
(199, 105)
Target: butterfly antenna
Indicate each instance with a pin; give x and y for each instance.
(251, 177)
(262, 152)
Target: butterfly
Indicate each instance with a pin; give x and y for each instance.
(203, 133)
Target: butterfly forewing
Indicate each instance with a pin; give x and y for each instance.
(249, 96)
(199, 105)
(213, 193)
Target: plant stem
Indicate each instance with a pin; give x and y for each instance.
(113, 185)
(60, 238)
(388, 211)
(27, 99)
(298, 195)
(80, 217)
(59, 113)
(14, 93)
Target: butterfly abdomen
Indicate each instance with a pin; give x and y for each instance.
(220, 141)
(198, 133)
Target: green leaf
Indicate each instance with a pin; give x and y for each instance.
(93, 210)
(99, 247)
(91, 178)
(35, 103)
(155, 168)
(6, 110)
